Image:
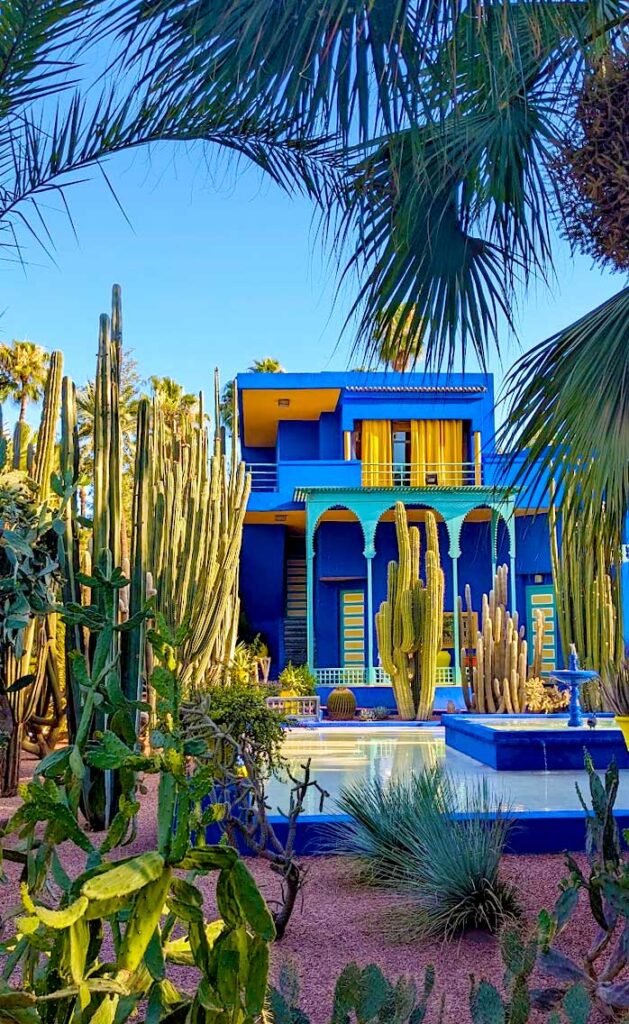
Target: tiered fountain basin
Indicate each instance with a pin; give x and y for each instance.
(525, 743)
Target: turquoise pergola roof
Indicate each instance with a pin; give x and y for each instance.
(369, 504)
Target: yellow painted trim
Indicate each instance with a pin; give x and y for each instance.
(295, 518)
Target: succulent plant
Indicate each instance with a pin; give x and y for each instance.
(341, 704)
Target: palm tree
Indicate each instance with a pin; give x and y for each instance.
(23, 371)
(399, 345)
(265, 365)
(176, 403)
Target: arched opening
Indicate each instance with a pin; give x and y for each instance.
(339, 598)
(386, 551)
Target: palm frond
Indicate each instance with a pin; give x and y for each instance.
(449, 216)
(569, 414)
(45, 153)
(336, 66)
(37, 42)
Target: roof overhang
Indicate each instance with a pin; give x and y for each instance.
(262, 410)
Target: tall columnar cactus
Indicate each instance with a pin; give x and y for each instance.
(587, 592)
(198, 507)
(494, 678)
(185, 532)
(409, 624)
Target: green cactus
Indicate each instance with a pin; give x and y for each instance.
(341, 704)
(409, 624)
(187, 517)
(587, 593)
(30, 654)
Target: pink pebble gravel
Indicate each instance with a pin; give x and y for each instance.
(339, 921)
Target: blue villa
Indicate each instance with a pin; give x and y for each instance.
(330, 454)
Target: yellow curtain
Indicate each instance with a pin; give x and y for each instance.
(437, 447)
(377, 453)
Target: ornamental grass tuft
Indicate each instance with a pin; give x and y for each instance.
(437, 846)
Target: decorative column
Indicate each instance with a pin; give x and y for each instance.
(370, 673)
(347, 445)
(311, 521)
(310, 608)
(511, 529)
(478, 471)
(454, 556)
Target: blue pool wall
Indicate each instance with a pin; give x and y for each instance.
(534, 750)
(531, 832)
(382, 697)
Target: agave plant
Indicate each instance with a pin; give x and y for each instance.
(436, 846)
(615, 687)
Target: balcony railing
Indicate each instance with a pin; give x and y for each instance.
(286, 476)
(358, 676)
(263, 476)
(429, 474)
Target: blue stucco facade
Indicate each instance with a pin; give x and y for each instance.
(315, 532)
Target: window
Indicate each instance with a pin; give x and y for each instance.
(401, 438)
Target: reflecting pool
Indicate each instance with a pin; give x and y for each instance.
(340, 756)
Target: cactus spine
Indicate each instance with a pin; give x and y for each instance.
(409, 624)
(497, 682)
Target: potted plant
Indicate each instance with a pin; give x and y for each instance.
(615, 686)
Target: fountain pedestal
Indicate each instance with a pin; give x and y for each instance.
(573, 678)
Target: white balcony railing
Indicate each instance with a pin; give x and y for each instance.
(358, 676)
(429, 474)
(263, 475)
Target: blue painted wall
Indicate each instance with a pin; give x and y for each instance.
(262, 584)
(297, 439)
(338, 553)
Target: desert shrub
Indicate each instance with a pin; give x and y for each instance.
(298, 679)
(242, 669)
(241, 711)
(544, 699)
(439, 848)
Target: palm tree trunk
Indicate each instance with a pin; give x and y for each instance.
(23, 404)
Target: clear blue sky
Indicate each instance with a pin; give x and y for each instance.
(214, 271)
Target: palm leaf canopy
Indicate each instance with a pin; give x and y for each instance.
(447, 116)
(569, 413)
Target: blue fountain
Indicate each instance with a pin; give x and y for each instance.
(573, 678)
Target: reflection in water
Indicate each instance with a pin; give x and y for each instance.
(340, 756)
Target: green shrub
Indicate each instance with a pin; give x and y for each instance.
(417, 837)
(242, 712)
(299, 679)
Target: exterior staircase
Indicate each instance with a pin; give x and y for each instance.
(295, 641)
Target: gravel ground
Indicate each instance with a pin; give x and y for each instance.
(339, 921)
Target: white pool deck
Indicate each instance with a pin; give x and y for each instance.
(340, 756)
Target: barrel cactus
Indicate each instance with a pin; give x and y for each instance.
(341, 704)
